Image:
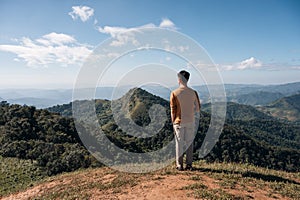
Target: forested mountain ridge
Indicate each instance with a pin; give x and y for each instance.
(262, 126)
(256, 98)
(286, 89)
(52, 142)
(287, 108)
(236, 144)
(236, 111)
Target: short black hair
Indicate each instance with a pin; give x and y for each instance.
(184, 76)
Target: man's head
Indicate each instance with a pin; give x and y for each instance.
(183, 77)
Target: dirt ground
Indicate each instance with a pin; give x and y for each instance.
(104, 183)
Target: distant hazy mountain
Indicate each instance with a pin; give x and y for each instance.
(37, 102)
(235, 111)
(46, 98)
(285, 89)
(240, 93)
(256, 98)
(36, 97)
(260, 94)
(34, 93)
(287, 108)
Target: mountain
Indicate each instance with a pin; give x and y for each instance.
(256, 98)
(52, 142)
(236, 111)
(287, 89)
(37, 102)
(250, 94)
(43, 98)
(287, 108)
(36, 97)
(261, 95)
(249, 139)
(261, 126)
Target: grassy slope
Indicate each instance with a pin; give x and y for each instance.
(208, 181)
(17, 174)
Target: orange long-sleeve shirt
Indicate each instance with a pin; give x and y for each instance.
(184, 102)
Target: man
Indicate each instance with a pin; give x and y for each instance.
(185, 105)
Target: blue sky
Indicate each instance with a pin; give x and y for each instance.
(44, 43)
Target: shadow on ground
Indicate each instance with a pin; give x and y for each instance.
(270, 178)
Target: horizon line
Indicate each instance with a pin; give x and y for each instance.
(112, 86)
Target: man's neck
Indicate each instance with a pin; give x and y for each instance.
(182, 85)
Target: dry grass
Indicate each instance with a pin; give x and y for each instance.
(207, 181)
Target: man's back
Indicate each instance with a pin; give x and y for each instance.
(184, 103)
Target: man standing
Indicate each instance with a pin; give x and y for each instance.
(185, 105)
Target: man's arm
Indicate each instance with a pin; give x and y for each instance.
(197, 103)
(197, 110)
(173, 106)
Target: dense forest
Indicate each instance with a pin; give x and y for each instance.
(49, 137)
(263, 127)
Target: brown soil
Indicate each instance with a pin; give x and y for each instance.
(104, 183)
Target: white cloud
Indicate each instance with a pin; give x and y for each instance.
(56, 39)
(250, 63)
(167, 23)
(296, 67)
(120, 34)
(83, 12)
(253, 63)
(114, 31)
(52, 48)
(123, 35)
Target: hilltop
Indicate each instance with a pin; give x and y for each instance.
(207, 181)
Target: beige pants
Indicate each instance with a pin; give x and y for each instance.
(184, 137)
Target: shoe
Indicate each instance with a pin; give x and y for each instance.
(179, 168)
(189, 167)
